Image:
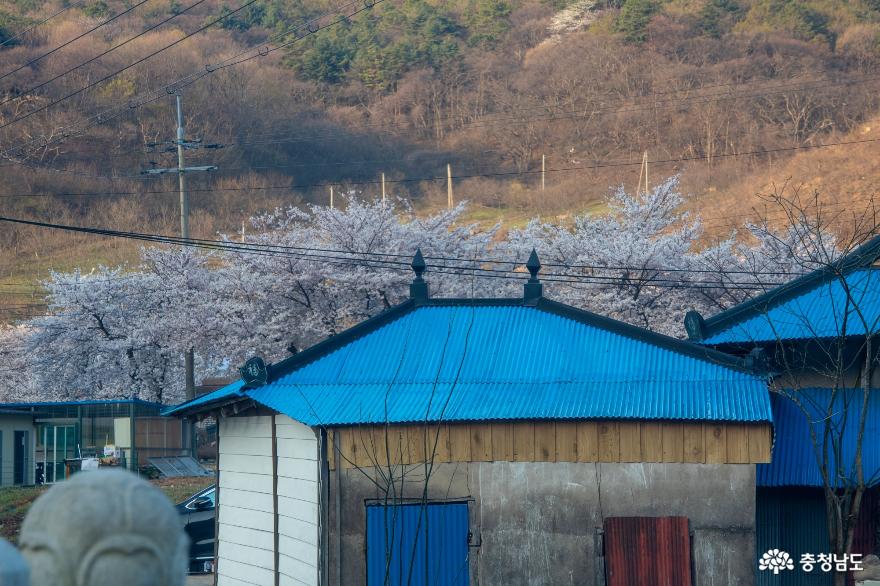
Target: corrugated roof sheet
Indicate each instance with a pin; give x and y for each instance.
(820, 312)
(463, 362)
(230, 391)
(793, 461)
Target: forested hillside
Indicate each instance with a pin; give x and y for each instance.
(732, 95)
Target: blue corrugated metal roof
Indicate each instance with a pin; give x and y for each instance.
(461, 362)
(793, 461)
(814, 313)
(230, 391)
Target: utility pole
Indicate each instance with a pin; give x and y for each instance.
(449, 202)
(383, 187)
(181, 145)
(643, 174)
(543, 171)
(331, 197)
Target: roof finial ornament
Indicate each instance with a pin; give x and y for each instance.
(533, 290)
(418, 265)
(534, 265)
(418, 289)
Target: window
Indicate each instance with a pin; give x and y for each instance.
(209, 494)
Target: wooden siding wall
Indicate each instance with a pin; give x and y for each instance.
(246, 548)
(591, 441)
(297, 501)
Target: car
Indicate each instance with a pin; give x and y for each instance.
(198, 513)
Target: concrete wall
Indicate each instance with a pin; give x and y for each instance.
(246, 538)
(9, 424)
(539, 523)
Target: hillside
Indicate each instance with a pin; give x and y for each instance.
(408, 86)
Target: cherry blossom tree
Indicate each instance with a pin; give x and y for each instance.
(308, 274)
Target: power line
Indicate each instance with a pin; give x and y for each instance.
(311, 27)
(602, 165)
(485, 122)
(129, 66)
(570, 114)
(266, 50)
(270, 250)
(18, 35)
(73, 40)
(98, 56)
(491, 121)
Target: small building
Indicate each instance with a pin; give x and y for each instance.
(811, 335)
(16, 447)
(468, 441)
(45, 442)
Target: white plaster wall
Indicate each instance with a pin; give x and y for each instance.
(246, 524)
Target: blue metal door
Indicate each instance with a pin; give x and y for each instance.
(417, 545)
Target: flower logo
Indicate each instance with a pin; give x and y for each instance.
(775, 560)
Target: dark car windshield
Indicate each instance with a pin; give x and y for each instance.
(208, 494)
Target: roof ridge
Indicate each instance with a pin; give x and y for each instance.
(699, 328)
(622, 328)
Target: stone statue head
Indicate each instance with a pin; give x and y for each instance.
(104, 527)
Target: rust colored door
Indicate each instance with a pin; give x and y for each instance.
(647, 551)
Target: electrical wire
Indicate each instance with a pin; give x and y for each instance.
(48, 105)
(102, 54)
(311, 27)
(64, 9)
(271, 250)
(492, 121)
(73, 40)
(603, 165)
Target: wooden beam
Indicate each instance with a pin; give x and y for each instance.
(438, 443)
(630, 441)
(609, 441)
(587, 441)
(502, 442)
(417, 443)
(694, 451)
(652, 442)
(737, 444)
(481, 442)
(563, 441)
(716, 443)
(673, 442)
(524, 442)
(759, 443)
(331, 455)
(545, 441)
(460, 442)
(566, 441)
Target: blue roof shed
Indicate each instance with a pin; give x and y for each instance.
(501, 359)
